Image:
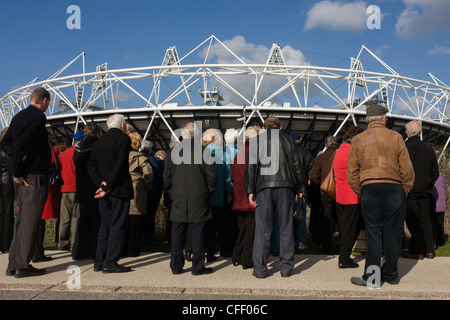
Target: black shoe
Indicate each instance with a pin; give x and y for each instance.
(117, 269)
(188, 256)
(10, 273)
(98, 267)
(203, 271)
(42, 259)
(236, 263)
(256, 276)
(286, 274)
(30, 272)
(348, 265)
(210, 258)
(177, 272)
(391, 282)
(359, 281)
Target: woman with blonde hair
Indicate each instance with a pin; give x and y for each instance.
(142, 176)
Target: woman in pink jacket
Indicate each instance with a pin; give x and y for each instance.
(348, 204)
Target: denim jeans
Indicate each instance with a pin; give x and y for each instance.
(384, 211)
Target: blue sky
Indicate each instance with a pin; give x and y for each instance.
(414, 37)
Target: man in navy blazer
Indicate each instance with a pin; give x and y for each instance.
(108, 169)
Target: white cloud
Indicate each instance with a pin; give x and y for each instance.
(249, 52)
(252, 54)
(380, 50)
(438, 50)
(123, 97)
(337, 16)
(128, 56)
(422, 19)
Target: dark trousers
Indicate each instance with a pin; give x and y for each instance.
(113, 214)
(179, 230)
(214, 231)
(6, 216)
(437, 219)
(148, 220)
(418, 221)
(327, 215)
(133, 233)
(242, 252)
(31, 201)
(384, 211)
(350, 222)
(269, 200)
(39, 246)
(315, 213)
(229, 230)
(222, 230)
(86, 236)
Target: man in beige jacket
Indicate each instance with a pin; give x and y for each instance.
(380, 171)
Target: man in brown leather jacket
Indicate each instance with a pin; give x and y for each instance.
(380, 171)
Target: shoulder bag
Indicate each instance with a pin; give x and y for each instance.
(328, 185)
(55, 179)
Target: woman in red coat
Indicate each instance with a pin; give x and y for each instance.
(348, 204)
(51, 209)
(242, 252)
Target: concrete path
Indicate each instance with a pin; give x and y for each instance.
(314, 276)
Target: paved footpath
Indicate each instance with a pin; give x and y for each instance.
(314, 277)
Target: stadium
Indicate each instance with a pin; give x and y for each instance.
(224, 91)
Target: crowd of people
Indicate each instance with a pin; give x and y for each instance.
(230, 193)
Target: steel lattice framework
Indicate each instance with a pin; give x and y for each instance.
(315, 100)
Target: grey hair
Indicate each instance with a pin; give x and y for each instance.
(115, 120)
(413, 127)
(210, 133)
(146, 146)
(173, 143)
(190, 131)
(251, 132)
(370, 119)
(231, 136)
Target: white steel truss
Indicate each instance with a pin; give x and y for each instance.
(236, 86)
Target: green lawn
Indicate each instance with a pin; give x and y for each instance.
(163, 246)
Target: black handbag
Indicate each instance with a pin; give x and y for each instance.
(54, 176)
(299, 208)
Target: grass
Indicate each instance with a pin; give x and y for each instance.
(164, 246)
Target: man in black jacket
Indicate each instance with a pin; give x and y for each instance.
(307, 161)
(190, 182)
(273, 178)
(421, 197)
(27, 142)
(108, 169)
